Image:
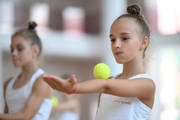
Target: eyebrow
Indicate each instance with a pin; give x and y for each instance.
(16, 45)
(123, 33)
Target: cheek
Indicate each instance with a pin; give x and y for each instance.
(25, 54)
(132, 49)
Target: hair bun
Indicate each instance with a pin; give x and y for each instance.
(134, 9)
(32, 25)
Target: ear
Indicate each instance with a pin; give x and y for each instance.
(36, 50)
(144, 43)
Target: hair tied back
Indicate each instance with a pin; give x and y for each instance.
(32, 25)
(134, 9)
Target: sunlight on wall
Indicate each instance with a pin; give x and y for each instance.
(73, 21)
(40, 14)
(168, 16)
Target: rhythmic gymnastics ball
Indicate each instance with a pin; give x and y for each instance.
(55, 101)
(101, 71)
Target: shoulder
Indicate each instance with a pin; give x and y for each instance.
(40, 83)
(151, 83)
(7, 82)
(147, 84)
(42, 87)
(146, 81)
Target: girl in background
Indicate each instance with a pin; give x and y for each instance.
(130, 94)
(27, 96)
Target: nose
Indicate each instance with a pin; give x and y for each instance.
(117, 43)
(14, 53)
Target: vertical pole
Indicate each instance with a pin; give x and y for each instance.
(110, 11)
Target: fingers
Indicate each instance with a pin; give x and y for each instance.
(72, 79)
(44, 75)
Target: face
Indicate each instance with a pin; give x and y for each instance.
(21, 51)
(125, 40)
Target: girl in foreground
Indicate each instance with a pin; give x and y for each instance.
(130, 94)
(27, 96)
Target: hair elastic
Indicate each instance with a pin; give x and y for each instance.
(74, 89)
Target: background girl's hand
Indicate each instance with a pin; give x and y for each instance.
(60, 84)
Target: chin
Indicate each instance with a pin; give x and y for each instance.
(17, 65)
(120, 61)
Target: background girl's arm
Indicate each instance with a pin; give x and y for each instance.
(5, 86)
(69, 105)
(39, 92)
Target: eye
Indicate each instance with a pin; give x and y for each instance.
(125, 38)
(113, 40)
(20, 49)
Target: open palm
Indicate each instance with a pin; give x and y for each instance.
(60, 84)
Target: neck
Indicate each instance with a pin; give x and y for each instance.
(133, 68)
(29, 69)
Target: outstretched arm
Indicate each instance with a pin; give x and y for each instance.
(5, 86)
(141, 87)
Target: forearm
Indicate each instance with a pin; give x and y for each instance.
(19, 116)
(67, 105)
(91, 86)
(61, 108)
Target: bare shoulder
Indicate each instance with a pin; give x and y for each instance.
(39, 81)
(148, 82)
(42, 87)
(145, 81)
(41, 84)
(147, 85)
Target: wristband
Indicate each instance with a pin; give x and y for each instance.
(74, 89)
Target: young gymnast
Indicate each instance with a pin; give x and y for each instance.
(27, 96)
(129, 95)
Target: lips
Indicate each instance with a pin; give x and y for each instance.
(118, 53)
(15, 60)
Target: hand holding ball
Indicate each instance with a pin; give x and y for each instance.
(101, 71)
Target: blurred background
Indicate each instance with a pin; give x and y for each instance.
(75, 38)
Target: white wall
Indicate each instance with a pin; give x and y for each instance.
(1, 83)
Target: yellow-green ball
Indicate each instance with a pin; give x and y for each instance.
(55, 101)
(101, 71)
